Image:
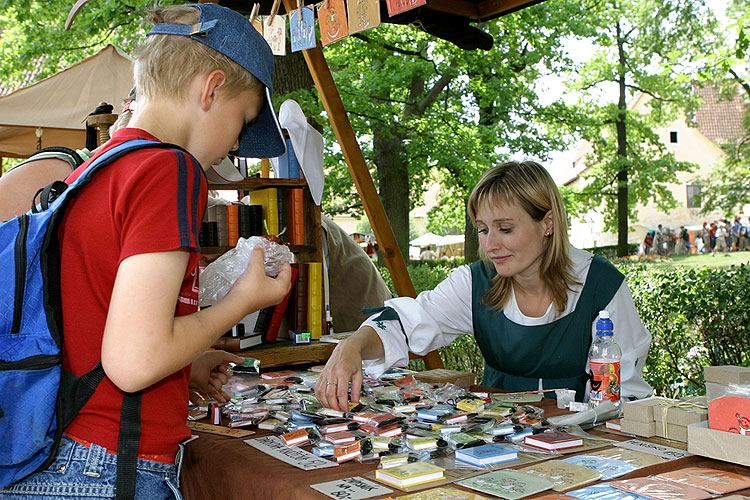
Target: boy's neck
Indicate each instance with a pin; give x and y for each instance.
(163, 120)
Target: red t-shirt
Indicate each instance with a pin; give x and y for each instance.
(150, 200)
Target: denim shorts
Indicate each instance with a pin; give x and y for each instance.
(80, 471)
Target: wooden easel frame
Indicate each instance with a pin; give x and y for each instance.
(355, 160)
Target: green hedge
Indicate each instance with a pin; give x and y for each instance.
(698, 317)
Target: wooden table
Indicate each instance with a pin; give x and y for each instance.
(218, 467)
(285, 353)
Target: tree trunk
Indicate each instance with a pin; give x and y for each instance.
(471, 242)
(622, 153)
(290, 74)
(393, 177)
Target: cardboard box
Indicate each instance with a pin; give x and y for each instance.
(642, 429)
(683, 415)
(727, 374)
(720, 445)
(673, 432)
(641, 410)
(443, 376)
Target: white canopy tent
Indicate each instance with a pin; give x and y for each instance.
(59, 104)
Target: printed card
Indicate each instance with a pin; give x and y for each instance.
(351, 488)
(563, 475)
(399, 6)
(302, 29)
(363, 15)
(508, 484)
(332, 21)
(716, 481)
(274, 31)
(302, 459)
(660, 489)
(609, 468)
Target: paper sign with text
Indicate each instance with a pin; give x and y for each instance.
(659, 450)
(274, 31)
(302, 459)
(351, 488)
(332, 22)
(399, 6)
(363, 15)
(302, 29)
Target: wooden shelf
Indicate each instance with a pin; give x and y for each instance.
(258, 183)
(284, 353)
(220, 250)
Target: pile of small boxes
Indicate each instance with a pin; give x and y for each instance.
(726, 435)
(663, 417)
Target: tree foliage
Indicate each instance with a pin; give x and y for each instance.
(647, 48)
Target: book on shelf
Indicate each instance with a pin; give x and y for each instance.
(244, 222)
(299, 299)
(267, 199)
(288, 164)
(211, 234)
(277, 315)
(281, 210)
(296, 216)
(315, 299)
(264, 320)
(233, 225)
(486, 454)
(410, 474)
(222, 237)
(556, 440)
(237, 343)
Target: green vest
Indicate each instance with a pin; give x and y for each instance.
(518, 356)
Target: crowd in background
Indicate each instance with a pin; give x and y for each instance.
(718, 236)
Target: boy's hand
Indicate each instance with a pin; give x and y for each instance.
(210, 371)
(256, 288)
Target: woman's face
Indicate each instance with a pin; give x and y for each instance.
(512, 240)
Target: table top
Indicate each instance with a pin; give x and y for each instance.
(218, 467)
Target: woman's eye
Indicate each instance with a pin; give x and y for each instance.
(483, 231)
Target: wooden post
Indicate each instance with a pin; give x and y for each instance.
(355, 160)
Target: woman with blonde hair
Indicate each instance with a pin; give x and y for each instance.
(531, 302)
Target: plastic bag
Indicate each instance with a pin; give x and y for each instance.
(219, 276)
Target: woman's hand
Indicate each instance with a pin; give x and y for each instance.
(344, 366)
(209, 373)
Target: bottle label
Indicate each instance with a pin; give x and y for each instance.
(605, 381)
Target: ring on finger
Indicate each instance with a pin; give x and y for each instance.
(331, 383)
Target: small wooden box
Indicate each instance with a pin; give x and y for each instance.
(443, 376)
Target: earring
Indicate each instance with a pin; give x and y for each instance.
(548, 233)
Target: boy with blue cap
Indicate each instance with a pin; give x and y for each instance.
(129, 254)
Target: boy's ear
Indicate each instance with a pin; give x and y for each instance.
(211, 84)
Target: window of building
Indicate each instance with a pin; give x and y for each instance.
(693, 196)
(673, 137)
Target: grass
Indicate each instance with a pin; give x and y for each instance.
(705, 260)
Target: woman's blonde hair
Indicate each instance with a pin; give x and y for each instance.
(166, 64)
(529, 185)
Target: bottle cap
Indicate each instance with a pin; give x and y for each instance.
(604, 326)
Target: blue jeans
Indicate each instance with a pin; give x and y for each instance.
(78, 471)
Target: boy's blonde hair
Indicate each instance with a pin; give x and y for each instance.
(529, 185)
(166, 64)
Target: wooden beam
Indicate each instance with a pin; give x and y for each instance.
(355, 160)
(477, 10)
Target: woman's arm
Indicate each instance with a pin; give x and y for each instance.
(433, 320)
(143, 340)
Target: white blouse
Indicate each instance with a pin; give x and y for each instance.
(437, 317)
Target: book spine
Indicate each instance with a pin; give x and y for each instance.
(278, 314)
(203, 235)
(256, 220)
(212, 237)
(315, 299)
(222, 239)
(294, 168)
(300, 317)
(296, 217)
(281, 204)
(273, 211)
(264, 320)
(243, 221)
(233, 227)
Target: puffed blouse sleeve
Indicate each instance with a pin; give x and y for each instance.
(434, 319)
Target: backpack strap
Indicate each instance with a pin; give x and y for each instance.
(127, 445)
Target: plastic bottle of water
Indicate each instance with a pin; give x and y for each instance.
(604, 361)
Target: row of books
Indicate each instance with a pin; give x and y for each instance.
(302, 308)
(276, 211)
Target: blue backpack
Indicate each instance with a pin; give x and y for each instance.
(38, 397)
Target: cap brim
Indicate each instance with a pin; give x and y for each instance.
(223, 172)
(264, 138)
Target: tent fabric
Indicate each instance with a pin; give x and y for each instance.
(59, 104)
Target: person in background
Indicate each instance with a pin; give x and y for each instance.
(354, 281)
(531, 302)
(427, 254)
(129, 250)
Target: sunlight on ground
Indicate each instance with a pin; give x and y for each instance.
(719, 260)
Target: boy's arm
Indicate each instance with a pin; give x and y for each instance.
(143, 340)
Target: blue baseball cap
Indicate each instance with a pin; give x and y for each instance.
(229, 33)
